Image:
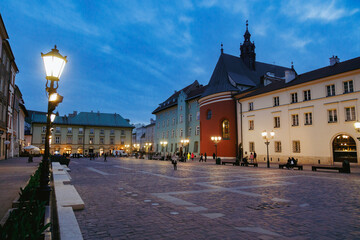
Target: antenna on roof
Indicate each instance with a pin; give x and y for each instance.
(222, 49)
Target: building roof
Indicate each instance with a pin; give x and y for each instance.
(86, 119)
(230, 72)
(337, 68)
(3, 32)
(192, 91)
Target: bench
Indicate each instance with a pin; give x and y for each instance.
(247, 164)
(340, 169)
(299, 167)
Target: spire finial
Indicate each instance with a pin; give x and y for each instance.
(292, 65)
(247, 24)
(222, 49)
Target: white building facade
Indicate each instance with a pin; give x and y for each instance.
(312, 115)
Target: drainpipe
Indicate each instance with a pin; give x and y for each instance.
(236, 129)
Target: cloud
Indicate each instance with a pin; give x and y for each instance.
(62, 14)
(293, 40)
(231, 6)
(325, 11)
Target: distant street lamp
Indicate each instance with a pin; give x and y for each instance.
(216, 140)
(147, 146)
(163, 144)
(357, 126)
(54, 64)
(267, 136)
(185, 142)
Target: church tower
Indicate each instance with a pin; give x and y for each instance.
(247, 50)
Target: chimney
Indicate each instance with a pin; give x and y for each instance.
(289, 75)
(334, 60)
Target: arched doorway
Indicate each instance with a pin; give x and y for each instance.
(344, 148)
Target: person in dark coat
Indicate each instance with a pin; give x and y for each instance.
(201, 158)
(214, 155)
(105, 157)
(205, 157)
(174, 161)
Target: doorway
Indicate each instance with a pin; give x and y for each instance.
(344, 148)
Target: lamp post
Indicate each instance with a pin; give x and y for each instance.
(163, 144)
(267, 136)
(357, 126)
(54, 64)
(185, 142)
(216, 140)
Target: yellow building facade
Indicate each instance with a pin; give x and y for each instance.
(83, 133)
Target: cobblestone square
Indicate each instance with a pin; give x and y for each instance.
(144, 199)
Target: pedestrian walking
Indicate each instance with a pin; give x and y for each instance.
(251, 157)
(174, 161)
(201, 158)
(205, 157)
(192, 157)
(188, 156)
(214, 156)
(255, 157)
(105, 157)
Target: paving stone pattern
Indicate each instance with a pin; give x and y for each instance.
(144, 199)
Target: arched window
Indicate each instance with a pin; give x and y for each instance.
(208, 114)
(225, 129)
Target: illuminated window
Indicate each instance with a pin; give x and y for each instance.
(226, 129)
(296, 146)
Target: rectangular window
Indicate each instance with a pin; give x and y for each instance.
(308, 118)
(181, 132)
(350, 114)
(163, 135)
(196, 146)
(276, 122)
(294, 98)
(122, 132)
(197, 130)
(330, 90)
(57, 130)
(112, 131)
(332, 116)
(190, 117)
(277, 146)
(307, 95)
(43, 129)
(296, 146)
(69, 140)
(348, 86)
(197, 115)
(43, 139)
(57, 139)
(251, 106)
(102, 131)
(295, 120)
(251, 124)
(163, 124)
(189, 131)
(181, 118)
(91, 131)
(172, 133)
(171, 149)
(173, 121)
(276, 101)
(251, 147)
(91, 140)
(101, 140)
(69, 130)
(81, 130)
(111, 140)
(122, 141)
(167, 134)
(80, 140)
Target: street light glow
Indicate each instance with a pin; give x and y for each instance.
(357, 126)
(54, 64)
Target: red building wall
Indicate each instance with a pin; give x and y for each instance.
(213, 127)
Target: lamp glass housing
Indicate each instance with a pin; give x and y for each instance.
(52, 117)
(357, 126)
(54, 64)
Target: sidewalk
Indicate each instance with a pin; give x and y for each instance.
(14, 173)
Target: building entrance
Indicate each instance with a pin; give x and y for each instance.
(344, 148)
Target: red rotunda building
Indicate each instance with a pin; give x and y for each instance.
(232, 75)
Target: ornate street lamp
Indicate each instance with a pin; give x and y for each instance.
(54, 64)
(267, 136)
(357, 126)
(163, 144)
(185, 142)
(216, 140)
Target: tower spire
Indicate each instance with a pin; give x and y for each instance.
(222, 49)
(247, 49)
